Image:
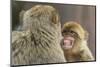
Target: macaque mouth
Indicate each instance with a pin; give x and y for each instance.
(68, 42)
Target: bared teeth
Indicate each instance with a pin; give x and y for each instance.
(67, 42)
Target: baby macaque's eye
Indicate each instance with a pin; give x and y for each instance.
(65, 31)
(72, 32)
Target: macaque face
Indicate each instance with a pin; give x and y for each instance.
(68, 39)
(72, 32)
(74, 42)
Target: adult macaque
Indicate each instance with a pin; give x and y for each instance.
(39, 42)
(74, 43)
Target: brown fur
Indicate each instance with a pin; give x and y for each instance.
(38, 43)
(80, 50)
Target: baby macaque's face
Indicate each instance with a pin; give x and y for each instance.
(68, 39)
(72, 32)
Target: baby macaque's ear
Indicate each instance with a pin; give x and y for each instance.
(86, 35)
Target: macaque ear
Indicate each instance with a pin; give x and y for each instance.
(86, 35)
(55, 18)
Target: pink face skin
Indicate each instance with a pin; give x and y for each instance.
(68, 42)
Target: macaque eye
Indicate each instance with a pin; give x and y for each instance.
(69, 31)
(72, 32)
(65, 31)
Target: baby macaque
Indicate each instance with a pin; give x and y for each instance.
(74, 43)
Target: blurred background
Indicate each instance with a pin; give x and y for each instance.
(83, 14)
